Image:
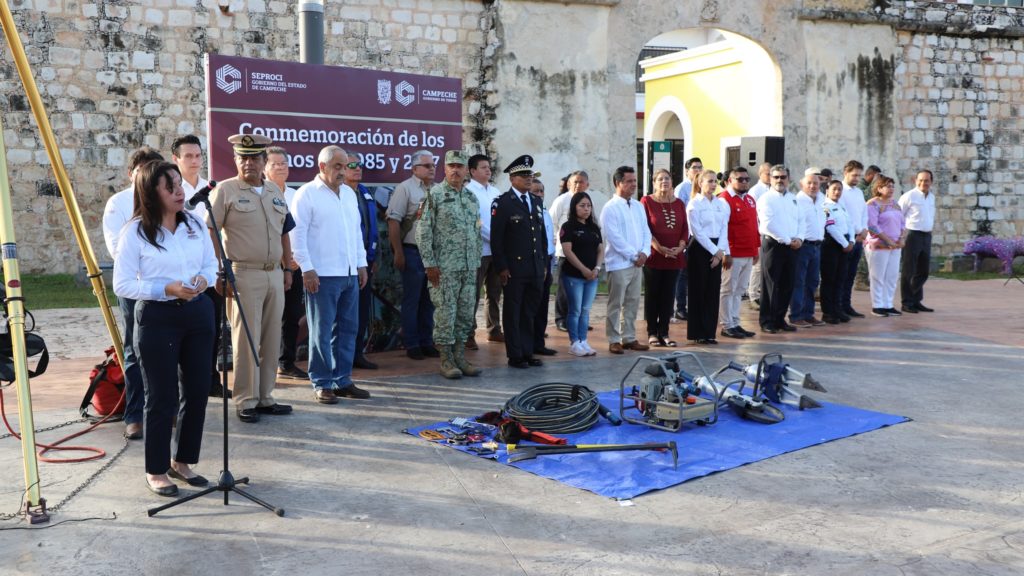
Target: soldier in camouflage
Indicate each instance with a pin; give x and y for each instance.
(448, 235)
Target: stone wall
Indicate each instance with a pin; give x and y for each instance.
(116, 74)
(906, 85)
(959, 78)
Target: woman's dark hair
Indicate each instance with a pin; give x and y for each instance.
(576, 199)
(879, 181)
(149, 208)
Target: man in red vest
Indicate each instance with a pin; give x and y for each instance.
(744, 242)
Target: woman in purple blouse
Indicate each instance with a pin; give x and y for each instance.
(886, 234)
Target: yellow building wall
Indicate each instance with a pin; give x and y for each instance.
(719, 102)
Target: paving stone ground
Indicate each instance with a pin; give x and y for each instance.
(941, 494)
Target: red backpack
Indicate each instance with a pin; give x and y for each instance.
(106, 390)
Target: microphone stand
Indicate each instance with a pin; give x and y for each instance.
(226, 483)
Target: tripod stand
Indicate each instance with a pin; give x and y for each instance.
(226, 482)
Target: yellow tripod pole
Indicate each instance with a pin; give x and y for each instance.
(66, 191)
(16, 326)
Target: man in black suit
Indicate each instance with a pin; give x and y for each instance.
(519, 253)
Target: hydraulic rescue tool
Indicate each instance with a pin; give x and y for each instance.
(666, 396)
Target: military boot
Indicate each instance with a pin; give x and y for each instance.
(463, 364)
(449, 368)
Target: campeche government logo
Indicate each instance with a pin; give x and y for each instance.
(229, 79)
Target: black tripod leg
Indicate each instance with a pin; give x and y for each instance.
(244, 494)
(153, 511)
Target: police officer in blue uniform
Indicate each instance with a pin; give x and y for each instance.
(519, 253)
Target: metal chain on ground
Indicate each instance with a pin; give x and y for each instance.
(48, 428)
(88, 481)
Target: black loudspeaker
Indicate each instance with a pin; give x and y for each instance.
(757, 149)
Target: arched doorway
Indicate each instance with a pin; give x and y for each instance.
(715, 89)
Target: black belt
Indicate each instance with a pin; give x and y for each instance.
(918, 232)
(813, 242)
(176, 303)
(410, 245)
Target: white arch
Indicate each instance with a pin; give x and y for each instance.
(654, 127)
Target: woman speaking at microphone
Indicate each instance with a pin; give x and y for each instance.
(165, 261)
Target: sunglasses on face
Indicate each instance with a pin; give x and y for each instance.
(743, 179)
(354, 165)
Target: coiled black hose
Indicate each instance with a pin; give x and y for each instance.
(555, 408)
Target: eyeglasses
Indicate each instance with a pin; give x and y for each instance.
(354, 165)
(424, 165)
(780, 177)
(743, 179)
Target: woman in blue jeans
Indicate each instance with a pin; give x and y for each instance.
(584, 253)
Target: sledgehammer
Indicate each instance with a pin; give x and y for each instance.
(530, 452)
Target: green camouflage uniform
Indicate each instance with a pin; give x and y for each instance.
(448, 236)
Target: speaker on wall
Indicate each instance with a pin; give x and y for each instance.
(757, 149)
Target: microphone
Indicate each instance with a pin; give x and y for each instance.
(200, 195)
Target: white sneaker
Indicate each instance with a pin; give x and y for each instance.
(586, 347)
(577, 350)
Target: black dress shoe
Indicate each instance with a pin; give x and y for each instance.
(909, 309)
(893, 312)
(248, 415)
(923, 308)
(787, 327)
(275, 410)
(853, 313)
(293, 371)
(196, 480)
(217, 391)
(769, 329)
(544, 351)
(534, 362)
(829, 319)
(711, 341)
(133, 431)
(732, 333)
(171, 490)
(363, 363)
(352, 391)
(745, 332)
(844, 318)
(430, 351)
(415, 353)
(880, 312)
(518, 363)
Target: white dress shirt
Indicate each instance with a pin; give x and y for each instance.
(289, 196)
(777, 216)
(812, 216)
(143, 271)
(190, 191)
(327, 233)
(855, 205)
(918, 210)
(757, 190)
(626, 233)
(116, 214)
(559, 212)
(683, 191)
(485, 195)
(550, 230)
(837, 222)
(709, 219)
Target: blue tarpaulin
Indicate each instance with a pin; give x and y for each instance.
(703, 450)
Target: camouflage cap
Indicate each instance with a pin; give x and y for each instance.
(455, 157)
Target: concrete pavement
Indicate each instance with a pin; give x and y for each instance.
(939, 495)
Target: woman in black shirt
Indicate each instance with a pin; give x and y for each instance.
(584, 253)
